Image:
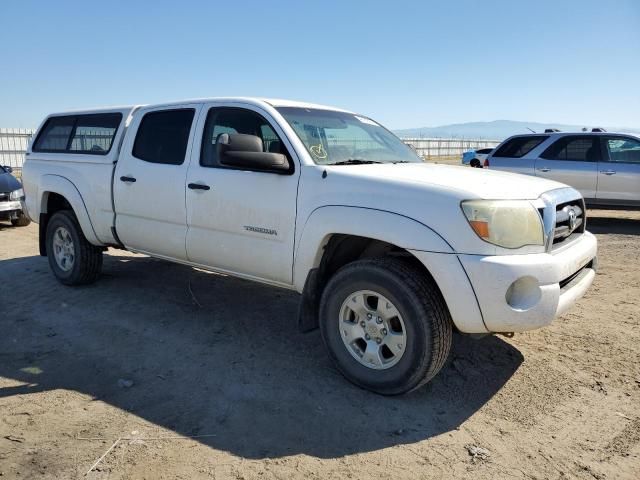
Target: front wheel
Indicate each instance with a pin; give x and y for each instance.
(73, 260)
(385, 325)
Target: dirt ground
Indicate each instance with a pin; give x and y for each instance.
(197, 375)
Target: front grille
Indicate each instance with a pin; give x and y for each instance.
(570, 220)
(564, 216)
(4, 197)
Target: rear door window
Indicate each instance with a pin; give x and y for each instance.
(574, 148)
(163, 136)
(518, 147)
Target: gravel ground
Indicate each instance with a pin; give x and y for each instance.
(188, 374)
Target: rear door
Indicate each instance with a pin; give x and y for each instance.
(149, 182)
(517, 154)
(619, 170)
(572, 159)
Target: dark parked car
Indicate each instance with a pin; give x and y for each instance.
(11, 199)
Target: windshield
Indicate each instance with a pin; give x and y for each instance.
(339, 138)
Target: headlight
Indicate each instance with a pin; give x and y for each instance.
(16, 194)
(506, 223)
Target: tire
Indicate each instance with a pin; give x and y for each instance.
(422, 316)
(86, 259)
(475, 163)
(21, 221)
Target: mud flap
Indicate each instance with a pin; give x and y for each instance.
(309, 306)
(42, 234)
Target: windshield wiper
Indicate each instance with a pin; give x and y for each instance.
(354, 161)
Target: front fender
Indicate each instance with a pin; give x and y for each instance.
(424, 243)
(372, 223)
(64, 187)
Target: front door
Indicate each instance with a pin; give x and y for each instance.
(619, 174)
(573, 160)
(149, 181)
(241, 221)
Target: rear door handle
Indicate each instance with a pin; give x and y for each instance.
(608, 172)
(127, 179)
(198, 186)
(544, 169)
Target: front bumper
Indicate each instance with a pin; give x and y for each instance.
(10, 209)
(516, 293)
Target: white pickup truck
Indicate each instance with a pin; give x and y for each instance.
(389, 253)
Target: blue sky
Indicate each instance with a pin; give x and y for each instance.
(407, 64)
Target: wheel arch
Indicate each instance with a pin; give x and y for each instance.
(59, 193)
(380, 226)
(336, 235)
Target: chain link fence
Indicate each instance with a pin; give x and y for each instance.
(13, 145)
(447, 149)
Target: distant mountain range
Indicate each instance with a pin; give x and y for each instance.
(496, 130)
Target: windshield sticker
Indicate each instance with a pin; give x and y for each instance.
(367, 121)
(318, 151)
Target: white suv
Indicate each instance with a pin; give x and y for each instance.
(604, 167)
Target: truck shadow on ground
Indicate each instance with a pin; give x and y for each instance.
(209, 354)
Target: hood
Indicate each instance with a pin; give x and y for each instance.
(427, 193)
(8, 183)
(467, 182)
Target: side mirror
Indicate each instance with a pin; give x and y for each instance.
(246, 151)
(8, 168)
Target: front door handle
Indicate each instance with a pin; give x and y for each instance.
(127, 179)
(544, 169)
(198, 186)
(608, 172)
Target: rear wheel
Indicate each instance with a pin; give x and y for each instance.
(385, 324)
(73, 260)
(21, 221)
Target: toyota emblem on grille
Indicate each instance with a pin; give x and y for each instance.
(572, 219)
